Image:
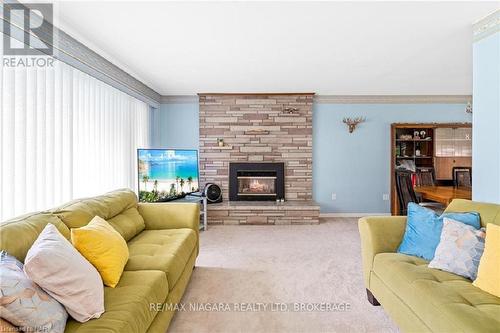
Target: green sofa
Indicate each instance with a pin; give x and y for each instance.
(418, 298)
(163, 243)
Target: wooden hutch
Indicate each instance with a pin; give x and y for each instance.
(440, 146)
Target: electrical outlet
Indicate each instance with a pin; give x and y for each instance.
(334, 196)
(385, 197)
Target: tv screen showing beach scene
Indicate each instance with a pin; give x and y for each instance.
(166, 174)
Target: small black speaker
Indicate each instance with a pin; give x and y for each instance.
(213, 193)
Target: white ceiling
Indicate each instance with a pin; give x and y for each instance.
(331, 48)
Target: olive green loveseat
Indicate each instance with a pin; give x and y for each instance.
(163, 246)
(418, 298)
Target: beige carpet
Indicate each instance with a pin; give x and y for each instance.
(279, 264)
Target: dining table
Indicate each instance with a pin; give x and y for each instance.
(443, 194)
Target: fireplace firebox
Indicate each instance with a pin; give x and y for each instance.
(256, 181)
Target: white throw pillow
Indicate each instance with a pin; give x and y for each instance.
(460, 249)
(58, 268)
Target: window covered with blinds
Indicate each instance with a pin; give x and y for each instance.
(63, 135)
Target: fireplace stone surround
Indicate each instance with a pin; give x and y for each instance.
(258, 128)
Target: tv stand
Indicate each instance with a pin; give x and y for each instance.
(203, 209)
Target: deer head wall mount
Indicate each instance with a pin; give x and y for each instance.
(353, 122)
(468, 108)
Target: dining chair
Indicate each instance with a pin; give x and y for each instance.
(406, 194)
(462, 176)
(425, 177)
(404, 187)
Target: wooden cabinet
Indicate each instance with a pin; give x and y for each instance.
(452, 148)
(443, 166)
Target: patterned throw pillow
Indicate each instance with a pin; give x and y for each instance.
(460, 249)
(25, 304)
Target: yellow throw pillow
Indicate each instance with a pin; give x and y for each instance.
(488, 275)
(103, 247)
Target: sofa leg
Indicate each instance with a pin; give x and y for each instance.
(373, 301)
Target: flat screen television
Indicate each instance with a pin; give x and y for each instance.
(166, 174)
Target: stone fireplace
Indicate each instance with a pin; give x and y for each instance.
(258, 131)
(256, 181)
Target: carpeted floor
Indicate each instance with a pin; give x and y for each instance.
(260, 266)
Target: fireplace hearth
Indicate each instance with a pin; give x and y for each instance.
(256, 181)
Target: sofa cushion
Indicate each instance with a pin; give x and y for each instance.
(128, 305)
(118, 207)
(490, 213)
(128, 223)
(18, 234)
(444, 301)
(166, 250)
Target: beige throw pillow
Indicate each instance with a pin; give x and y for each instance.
(58, 268)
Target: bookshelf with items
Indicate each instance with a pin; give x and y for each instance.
(432, 147)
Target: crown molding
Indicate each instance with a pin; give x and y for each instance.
(392, 99)
(179, 99)
(256, 94)
(352, 99)
(486, 26)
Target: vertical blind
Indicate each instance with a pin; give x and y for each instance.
(64, 135)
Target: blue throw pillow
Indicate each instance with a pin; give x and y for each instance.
(423, 230)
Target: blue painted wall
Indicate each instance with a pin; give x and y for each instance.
(486, 143)
(175, 126)
(354, 166)
(357, 166)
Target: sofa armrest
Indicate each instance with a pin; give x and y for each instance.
(379, 234)
(168, 215)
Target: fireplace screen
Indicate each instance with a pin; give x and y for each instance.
(248, 185)
(256, 181)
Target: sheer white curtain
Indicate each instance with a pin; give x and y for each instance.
(63, 135)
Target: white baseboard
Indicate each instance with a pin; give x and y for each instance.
(352, 214)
